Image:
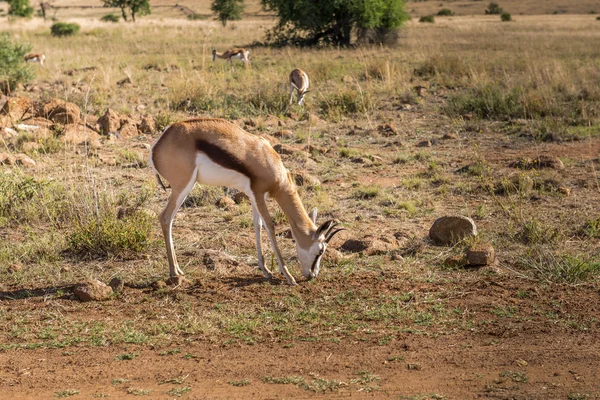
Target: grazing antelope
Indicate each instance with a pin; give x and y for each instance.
(298, 81)
(35, 57)
(229, 55)
(217, 152)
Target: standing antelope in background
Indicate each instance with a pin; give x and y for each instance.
(216, 152)
(35, 57)
(298, 81)
(229, 55)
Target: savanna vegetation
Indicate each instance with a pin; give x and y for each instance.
(468, 115)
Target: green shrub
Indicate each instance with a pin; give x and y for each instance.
(493, 9)
(445, 12)
(12, 68)
(505, 17)
(60, 29)
(427, 18)
(196, 17)
(20, 8)
(110, 18)
(111, 234)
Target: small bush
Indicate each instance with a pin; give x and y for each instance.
(505, 17)
(493, 9)
(427, 18)
(546, 265)
(445, 12)
(61, 29)
(196, 17)
(12, 68)
(111, 235)
(20, 8)
(592, 228)
(110, 18)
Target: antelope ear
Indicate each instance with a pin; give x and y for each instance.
(313, 215)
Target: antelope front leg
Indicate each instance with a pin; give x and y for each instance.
(261, 207)
(257, 230)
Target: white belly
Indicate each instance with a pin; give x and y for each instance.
(211, 173)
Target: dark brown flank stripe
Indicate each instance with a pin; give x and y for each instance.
(223, 158)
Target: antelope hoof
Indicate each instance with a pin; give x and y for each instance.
(177, 280)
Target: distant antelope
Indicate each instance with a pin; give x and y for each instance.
(216, 152)
(229, 55)
(298, 81)
(35, 57)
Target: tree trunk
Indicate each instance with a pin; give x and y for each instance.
(123, 14)
(133, 14)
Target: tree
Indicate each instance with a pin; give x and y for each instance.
(494, 9)
(20, 8)
(311, 22)
(136, 7)
(228, 10)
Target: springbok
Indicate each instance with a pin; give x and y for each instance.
(298, 81)
(229, 55)
(216, 152)
(35, 57)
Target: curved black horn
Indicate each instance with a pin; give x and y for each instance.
(332, 233)
(324, 228)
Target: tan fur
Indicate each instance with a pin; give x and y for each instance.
(174, 158)
(35, 57)
(241, 53)
(299, 81)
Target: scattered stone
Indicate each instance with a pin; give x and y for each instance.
(286, 149)
(425, 143)
(292, 115)
(110, 122)
(449, 136)
(564, 190)
(215, 260)
(252, 122)
(315, 149)
(159, 285)
(125, 82)
(387, 130)
(361, 160)
(15, 268)
(92, 290)
(177, 281)
(116, 284)
(61, 112)
(78, 134)
(225, 202)
(283, 133)
(333, 256)
(128, 130)
(450, 229)
(370, 245)
(455, 261)
(144, 146)
(8, 133)
(148, 125)
(481, 254)
(303, 179)
(539, 163)
(7, 159)
(355, 245)
(241, 197)
(24, 160)
(16, 108)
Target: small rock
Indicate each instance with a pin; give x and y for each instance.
(128, 130)
(564, 190)
(287, 149)
(61, 112)
(449, 136)
(92, 290)
(481, 254)
(333, 256)
(215, 260)
(283, 133)
(8, 133)
(539, 163)
(125, 82)
(15, 268)
(304, 179)
(78, 134)
(24, 160)
(456, 261)
(159, 285)
(387, 130)
(7, 159)
(116, 284)
(355, 245)
(450, 229)
(241, 197)
(425, 143)
(370, 245)
(252, 122)
(110, 122)
(225, 202)
(148, 125)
